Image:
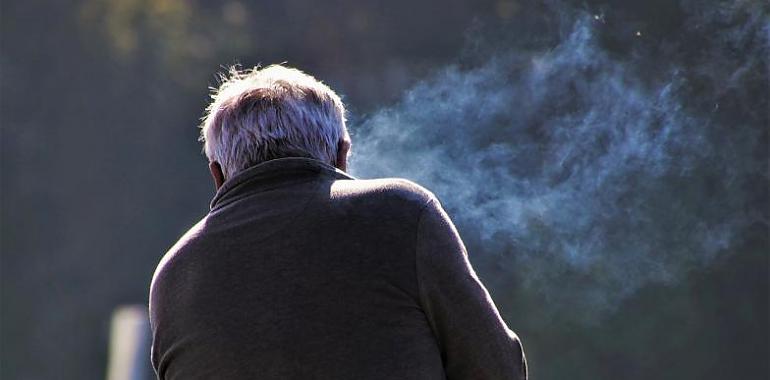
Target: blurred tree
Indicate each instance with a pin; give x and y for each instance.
(180, 35)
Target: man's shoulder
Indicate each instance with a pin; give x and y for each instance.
(174, 254)
(388, 190)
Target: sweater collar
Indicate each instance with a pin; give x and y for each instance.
(273, 169)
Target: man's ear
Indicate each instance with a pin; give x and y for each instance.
(343, 147)
(217, 174)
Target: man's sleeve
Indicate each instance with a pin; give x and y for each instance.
(475, 342)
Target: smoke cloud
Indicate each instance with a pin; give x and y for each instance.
(580, 174)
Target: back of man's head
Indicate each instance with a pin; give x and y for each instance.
(273, 112)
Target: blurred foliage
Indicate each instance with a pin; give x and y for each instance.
(181, 35)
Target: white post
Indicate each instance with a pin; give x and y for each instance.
(129, 350)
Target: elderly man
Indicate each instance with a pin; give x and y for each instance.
(300, 271)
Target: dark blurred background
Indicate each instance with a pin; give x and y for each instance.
(101, 170)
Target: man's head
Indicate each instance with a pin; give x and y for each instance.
(273, 112)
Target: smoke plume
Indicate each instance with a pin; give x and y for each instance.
(582, 174)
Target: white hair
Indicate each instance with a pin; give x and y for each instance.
(273, 112)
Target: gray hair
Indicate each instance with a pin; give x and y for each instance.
(273, 112)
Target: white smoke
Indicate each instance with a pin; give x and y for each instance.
(567, 171)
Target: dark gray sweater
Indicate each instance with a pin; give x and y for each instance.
(302, 272)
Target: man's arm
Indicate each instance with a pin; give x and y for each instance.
(475, 343)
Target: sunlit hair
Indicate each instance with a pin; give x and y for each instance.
(261, 114)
